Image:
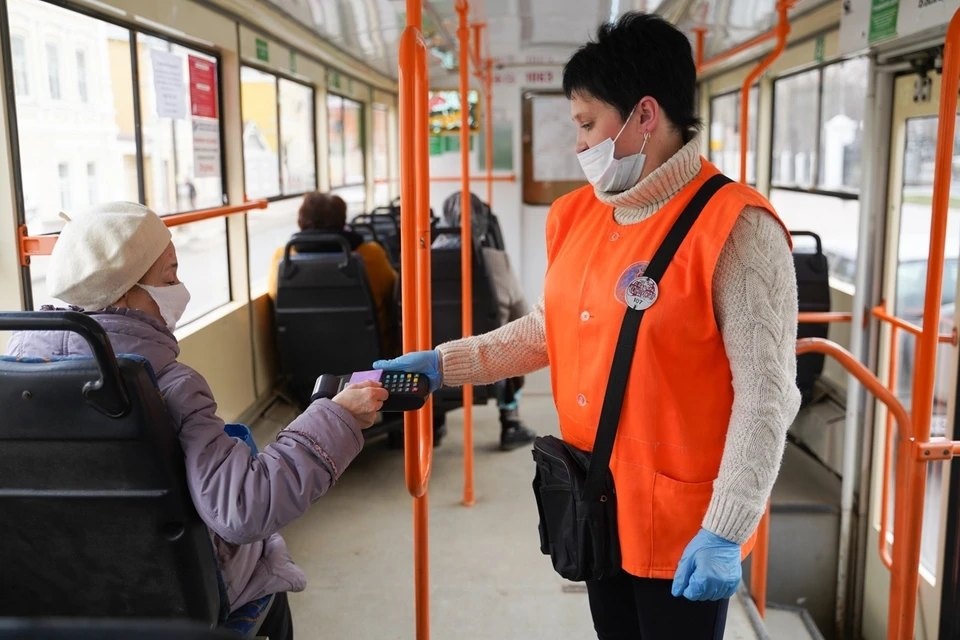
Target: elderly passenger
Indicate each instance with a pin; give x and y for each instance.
(117, 262)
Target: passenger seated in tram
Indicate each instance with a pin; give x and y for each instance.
(328, 213)
(511, 303)
(117, 262)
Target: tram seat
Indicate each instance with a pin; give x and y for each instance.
(326, 319)
(813, 294)
(447, 310)
(107, 629)
(97, 517)
(386, 224)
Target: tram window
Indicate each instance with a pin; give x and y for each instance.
(261, 133)
(298, 162)
(181, 127)
(818, 128)
(815, 167)
(381, 154)
(725, 134)
(794, 130)
(841, 125)
(345, 137)
(267, 230)
(100, 131)
(912, 265)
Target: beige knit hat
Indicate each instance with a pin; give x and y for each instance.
(103, 251)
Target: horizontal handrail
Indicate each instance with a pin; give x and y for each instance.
(880, 312)
(510, 177)
(43, 245)
(817, 317)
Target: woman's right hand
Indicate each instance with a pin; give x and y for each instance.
(363, 400)
(425, 362)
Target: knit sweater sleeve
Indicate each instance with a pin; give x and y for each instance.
(514, 349)
(755, 302)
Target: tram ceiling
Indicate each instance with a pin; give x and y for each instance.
(518, 32)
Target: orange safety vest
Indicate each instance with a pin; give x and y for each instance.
(679, 394)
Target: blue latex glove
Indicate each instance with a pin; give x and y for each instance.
(709, 568)
(425, 362)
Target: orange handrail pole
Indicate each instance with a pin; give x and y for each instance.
(911, 483)
(873, 385)
(43, 245)
(703, 65)
(699, 43)
(888, 441)
(466, 242)
(414, 205)
(855, 368)
(758, 568)
(488, 130)
(782, 30)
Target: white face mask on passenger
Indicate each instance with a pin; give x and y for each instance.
(172, 301)
(607, 173)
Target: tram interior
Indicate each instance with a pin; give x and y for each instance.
(193, 105)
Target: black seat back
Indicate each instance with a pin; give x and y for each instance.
(445, 293)
(97, 520)
(386, 225)
(813, 294)
(325, 315)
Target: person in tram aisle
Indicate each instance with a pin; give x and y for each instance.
(511, 304)
(328, 213)
(117, 262)
(711, 391)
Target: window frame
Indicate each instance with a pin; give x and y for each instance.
(134, 29)
(343, 146)
(756, 139)
(818, 133)
(313, 124)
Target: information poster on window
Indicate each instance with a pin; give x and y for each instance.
(203, 87)
(168, 84)
(206, 147)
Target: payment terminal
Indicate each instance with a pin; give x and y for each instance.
(408, 390)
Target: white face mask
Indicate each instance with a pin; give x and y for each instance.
(607, 173)
(172, 301)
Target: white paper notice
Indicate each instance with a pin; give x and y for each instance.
(168, 84)
(554, 141)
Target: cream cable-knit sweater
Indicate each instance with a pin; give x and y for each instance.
(755, 298)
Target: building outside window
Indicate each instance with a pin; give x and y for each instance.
(63, 171)
(21, 81)
(82, 75)
(53, 70)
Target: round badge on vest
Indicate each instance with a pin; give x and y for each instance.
(641, 293)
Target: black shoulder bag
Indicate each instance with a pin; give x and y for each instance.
(574, 488)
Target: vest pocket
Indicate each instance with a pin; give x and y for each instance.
(678, 510)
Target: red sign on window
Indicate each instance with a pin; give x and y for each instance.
(203, 87)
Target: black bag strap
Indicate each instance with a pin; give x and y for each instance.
(627, 341)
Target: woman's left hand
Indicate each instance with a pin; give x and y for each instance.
(363, 400)
(709, 568)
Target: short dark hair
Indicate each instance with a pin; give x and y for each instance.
(639, 55)
(322, 211)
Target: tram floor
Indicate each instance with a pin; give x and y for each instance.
(488, 579)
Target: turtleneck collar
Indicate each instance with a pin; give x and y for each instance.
(645, 198)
